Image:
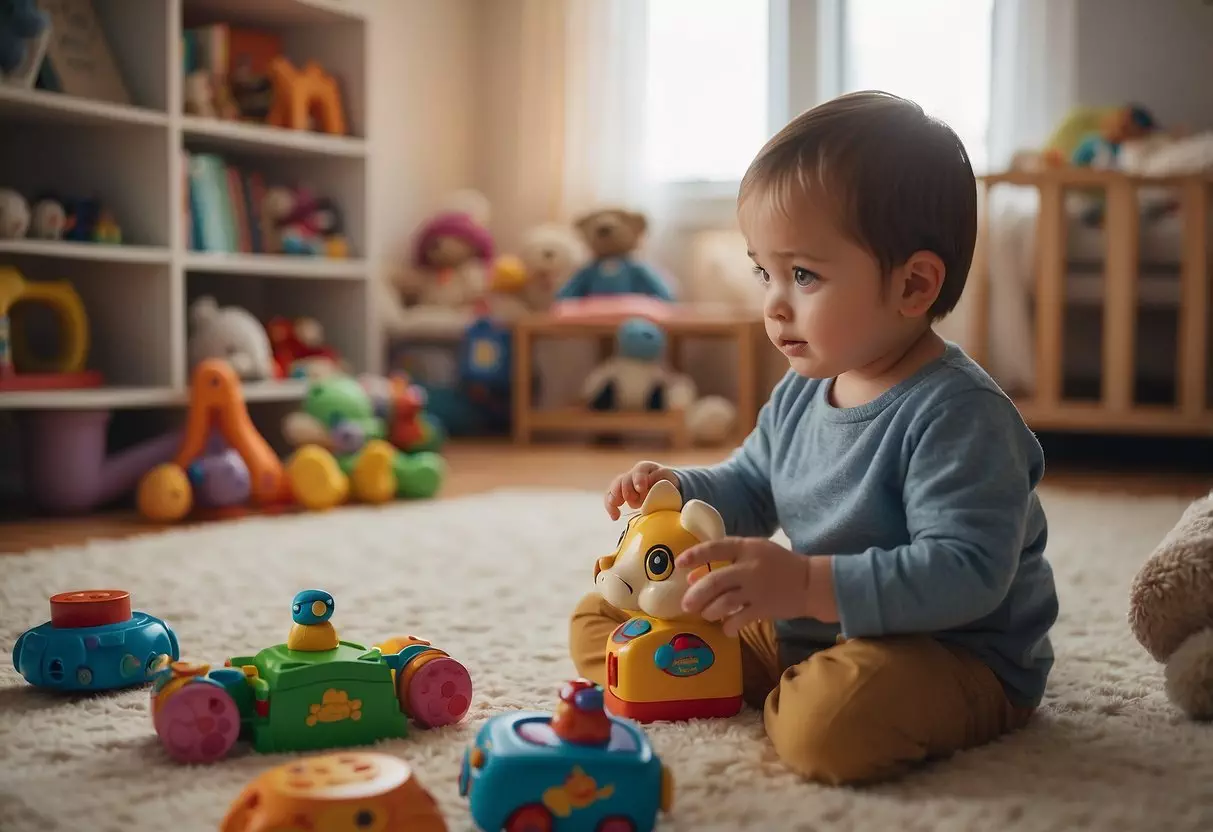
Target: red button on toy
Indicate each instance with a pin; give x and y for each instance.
(90, 608)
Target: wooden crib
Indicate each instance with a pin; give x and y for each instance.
(1115, 406)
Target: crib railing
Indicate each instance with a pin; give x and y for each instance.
(1116, 410)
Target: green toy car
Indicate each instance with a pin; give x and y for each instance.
(312, 692)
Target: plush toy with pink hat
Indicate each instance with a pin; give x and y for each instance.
(447, 270)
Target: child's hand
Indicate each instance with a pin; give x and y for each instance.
(763, 581)
(633, 487)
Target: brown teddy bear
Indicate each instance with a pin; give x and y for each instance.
(613, 235)
(1171, 609)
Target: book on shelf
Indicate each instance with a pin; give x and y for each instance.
(223, 209)
(236, 60)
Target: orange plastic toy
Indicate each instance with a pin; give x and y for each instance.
(300, 94)
(349, 790)
(165, 493)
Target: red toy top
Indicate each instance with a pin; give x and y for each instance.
(90, 608)
(580, 717)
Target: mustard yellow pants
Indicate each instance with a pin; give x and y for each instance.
(861, 711)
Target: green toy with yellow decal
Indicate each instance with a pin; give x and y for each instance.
(312, 692)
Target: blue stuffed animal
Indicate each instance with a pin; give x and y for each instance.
(613, 236)
(20, 20)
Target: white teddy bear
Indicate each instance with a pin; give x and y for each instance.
(230, 333)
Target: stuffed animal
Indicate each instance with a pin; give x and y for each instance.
(299, 350)
(550, 253)
(452, 254)
(14, 215)
(230, 333)
(613, 235)
(20, 21)
(401, 405)
(1171, 609)
(49, 221)
(635, 378)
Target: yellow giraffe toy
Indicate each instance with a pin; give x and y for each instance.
(663, 664)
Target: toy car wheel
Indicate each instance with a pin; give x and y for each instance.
(440, 693)
(616, 823)
(530, 818)
(198, 723)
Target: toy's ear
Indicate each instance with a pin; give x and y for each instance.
(203, 309)
(585, 222)
(663, 496)
(635, 221)
(702, 520)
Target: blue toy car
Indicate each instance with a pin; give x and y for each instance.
(579, 769)
(94, 642)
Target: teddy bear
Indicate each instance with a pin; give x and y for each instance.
(1171, 609)
(230, 333)
(550, 253)
(613, 235)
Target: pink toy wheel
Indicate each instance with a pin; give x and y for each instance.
(198, 723)
(439, 693)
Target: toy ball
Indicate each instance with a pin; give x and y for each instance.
(221, 479)
(312, 606)
(347, 437)
(165, 494)
(640, 339)
(508, 275)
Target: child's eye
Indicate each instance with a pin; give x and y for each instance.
(804, 277)
(763, 277)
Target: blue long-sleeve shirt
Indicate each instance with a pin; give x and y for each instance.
(925, 497)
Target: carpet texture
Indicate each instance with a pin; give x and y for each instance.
(491, 579)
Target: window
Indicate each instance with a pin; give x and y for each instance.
(707, 80)
(935, 52)
(711, 67)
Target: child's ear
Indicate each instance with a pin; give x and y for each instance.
(922, 278)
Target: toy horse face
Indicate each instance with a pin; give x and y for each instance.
(640, 576)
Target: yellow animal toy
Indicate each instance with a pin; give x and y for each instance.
(663, 664)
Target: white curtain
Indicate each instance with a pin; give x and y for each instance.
(1033, 85)
(1034, 73)
(563, 130)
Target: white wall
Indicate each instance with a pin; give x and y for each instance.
(1158, 53)
(423, 66)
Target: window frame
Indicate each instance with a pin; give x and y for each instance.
(799, 80)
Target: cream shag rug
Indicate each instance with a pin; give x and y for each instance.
(491, 579)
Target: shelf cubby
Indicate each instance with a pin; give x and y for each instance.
(123, 165)
(339, 305)
(129, 155)
(115, 296)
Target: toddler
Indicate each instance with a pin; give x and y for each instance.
(910, 618)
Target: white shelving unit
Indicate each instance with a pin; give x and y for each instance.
(137, 294)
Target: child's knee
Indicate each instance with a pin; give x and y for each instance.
(592, 622)
(833, 751)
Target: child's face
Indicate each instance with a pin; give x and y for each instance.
(827, 307)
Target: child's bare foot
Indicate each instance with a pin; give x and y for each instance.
(632, 487)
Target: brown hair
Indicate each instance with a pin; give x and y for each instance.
(901, 179)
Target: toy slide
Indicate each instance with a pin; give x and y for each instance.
(165, 494)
